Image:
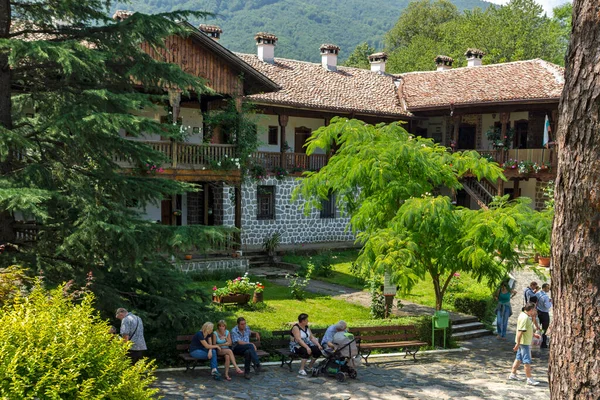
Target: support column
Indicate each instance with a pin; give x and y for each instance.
(457, 122)
(238, 214)
(516, 188)
(504, 120)
(283, 121)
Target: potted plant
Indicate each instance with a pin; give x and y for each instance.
(187, 256)
(258, 292)
(543, 249)
(177, 213)
(235, 291)
(271, 243)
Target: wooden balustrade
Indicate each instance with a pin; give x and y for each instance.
(305, 162)
(540, 156)
(201, 154)
(25, 232)
(267, 159)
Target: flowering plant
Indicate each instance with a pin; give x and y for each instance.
(280, 173)
(512, 164)
(239, 285)
(151, 169)
(525, 167)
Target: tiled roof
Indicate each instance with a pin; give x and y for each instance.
(309, 85)
(532, 80)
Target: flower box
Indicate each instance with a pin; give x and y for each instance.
(232, 299)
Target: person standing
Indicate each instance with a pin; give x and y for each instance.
(523, 341)
(503, 309)
(240, 336)
(530, 293)
(132, 330)
(544, 304)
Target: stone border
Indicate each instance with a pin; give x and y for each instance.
(232, 264)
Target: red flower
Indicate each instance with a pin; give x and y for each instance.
(214, 288)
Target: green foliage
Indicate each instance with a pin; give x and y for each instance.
(14, 282)
(359, 58)
(378, 306)
(516, 31)
(383, 177)
(300, 26)
(477, 304)
(297, 283)
(54, 348)
(271, 242)
(494, 136)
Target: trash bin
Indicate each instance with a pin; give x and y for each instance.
(441, 319)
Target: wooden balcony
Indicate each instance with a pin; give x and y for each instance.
(291, 161)
(539, 156)
(186, 155)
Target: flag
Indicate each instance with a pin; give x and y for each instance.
(546, 132)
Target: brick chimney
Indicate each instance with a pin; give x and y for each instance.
(265, 45)
(213, 31)
(329, 55)
(121, 15)
(377, 61)
(443, 62)
(474, 57)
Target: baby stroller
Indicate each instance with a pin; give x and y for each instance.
(339, 362)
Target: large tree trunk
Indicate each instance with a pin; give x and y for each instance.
(5, 102)
(575, 331)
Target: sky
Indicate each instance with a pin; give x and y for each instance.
(547, 4)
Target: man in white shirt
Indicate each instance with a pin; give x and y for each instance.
(544, 304)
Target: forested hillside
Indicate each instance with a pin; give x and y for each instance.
(302, 26)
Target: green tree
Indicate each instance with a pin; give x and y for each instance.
(359, 58)
(422, 18)
(70, 78)
(383, 177)
(61, 349)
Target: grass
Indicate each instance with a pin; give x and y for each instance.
(341, 272)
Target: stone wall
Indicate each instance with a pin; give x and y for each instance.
(290, 221)
(217, 265)
(540, 195)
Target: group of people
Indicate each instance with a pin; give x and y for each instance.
(537, 305)
(208, 344)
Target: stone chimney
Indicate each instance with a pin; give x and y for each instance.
(474, 57)
(211, 30)
(329, 55)
(377, 61)
(265, 45)
(121, 15)
(443, 62)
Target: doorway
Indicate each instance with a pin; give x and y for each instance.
(466, 137)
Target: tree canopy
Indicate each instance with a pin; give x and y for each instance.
(383, 178)
(70, 80)
(516, 31)
(359, 58)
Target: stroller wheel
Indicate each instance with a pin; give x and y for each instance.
(340, 376)
(315, 372)
(352, 373)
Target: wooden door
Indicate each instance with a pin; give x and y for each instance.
(466, 137)
(166, 212)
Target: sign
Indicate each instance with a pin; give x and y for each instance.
(388, 288)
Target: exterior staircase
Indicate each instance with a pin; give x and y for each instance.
(482, 192)
(468, 328)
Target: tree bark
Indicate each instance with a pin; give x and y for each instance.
(5, 102)
(574, 366)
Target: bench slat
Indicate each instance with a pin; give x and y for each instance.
(395, 328)
(384, 337)
(387, 345)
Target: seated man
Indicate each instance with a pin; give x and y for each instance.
(240, 337)
(327, 341)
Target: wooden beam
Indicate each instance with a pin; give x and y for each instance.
(283, 121)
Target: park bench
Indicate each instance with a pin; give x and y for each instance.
(183, 344)
(403, 337)
(281, 344)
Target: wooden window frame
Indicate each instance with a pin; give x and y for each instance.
(328, 207)
(265, 202)
(273, 130)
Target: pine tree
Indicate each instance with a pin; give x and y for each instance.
(70, 78)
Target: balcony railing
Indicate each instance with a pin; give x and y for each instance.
(186, 155)
(291, 161)
(539, 156)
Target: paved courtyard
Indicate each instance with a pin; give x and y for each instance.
(480, 373)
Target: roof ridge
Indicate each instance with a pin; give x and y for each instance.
(532, 60)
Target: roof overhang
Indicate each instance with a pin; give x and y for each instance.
(489, 104)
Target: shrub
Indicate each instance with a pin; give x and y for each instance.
(54, 348)
(477, 304)
(378, 307)
(297, 284)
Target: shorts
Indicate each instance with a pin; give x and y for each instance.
(524, 354)
(302, 353)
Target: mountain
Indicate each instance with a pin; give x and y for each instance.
(301, 25)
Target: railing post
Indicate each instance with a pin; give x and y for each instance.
(174, 154)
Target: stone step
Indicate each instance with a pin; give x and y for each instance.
(467, 327)
(471, 334)
(464, 320)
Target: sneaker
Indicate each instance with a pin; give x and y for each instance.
(513, 377)
(302, 372)
(247, 375)
(531, 382)
(257, 369)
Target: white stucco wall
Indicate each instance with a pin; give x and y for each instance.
(191, 117)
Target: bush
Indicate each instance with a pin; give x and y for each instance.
(54, 348)
(477, 304)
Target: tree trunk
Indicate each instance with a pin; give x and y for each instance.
(439, 295)
(575, 349)
(5, 102)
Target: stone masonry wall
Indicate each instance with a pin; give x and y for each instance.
(540, 196)
(232, 264)
(295, 227)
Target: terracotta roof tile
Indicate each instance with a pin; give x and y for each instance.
(516, 81)
(309, 85)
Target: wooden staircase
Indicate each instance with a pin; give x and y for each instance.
(482, 192)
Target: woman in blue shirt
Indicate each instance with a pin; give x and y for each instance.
(201, 349)
(503, 309)
(223, 340)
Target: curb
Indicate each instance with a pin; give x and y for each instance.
(388, 355)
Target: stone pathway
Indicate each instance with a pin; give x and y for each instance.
(480, 373)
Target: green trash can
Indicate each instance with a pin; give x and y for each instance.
(441, 319)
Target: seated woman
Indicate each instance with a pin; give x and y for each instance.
(304, 344)
(223, 340)
(202, 350)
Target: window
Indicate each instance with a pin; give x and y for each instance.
(328, 206)
(273, 134)
(265, 198)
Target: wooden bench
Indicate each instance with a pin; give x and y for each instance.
(404, 337)
(183, 343)
(281, 343)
